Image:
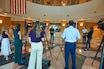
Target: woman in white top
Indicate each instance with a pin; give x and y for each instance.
(5, 44)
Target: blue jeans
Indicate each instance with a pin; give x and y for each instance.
(88, 43)
(70, 48)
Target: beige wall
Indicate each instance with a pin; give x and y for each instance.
(63, 24)
(5, 22)
(21, 23)
(10, 24)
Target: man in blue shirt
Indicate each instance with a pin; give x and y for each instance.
(70, 36)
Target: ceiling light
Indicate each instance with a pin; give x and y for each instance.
(81, 24)
(0, 21)
(63, 24)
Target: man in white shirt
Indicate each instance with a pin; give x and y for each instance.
(70, 36)
(84, 31)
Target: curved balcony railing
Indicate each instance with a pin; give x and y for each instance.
(59, 2)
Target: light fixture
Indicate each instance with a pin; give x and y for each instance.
(0, 21)
(63, 24)
(81, 24)
(46, 24)
(63, 4)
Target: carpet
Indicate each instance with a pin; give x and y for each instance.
(3, 61)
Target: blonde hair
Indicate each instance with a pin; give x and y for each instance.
(37, 28)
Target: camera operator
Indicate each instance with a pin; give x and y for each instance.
(101, 24)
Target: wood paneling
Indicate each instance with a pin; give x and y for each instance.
(97, 32)
(64, 24)
(5, 22)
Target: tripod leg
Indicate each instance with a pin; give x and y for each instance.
(49, 50)
(102, 59)
(57, 57)
(97, 53)
(51, 55)
(59, 54)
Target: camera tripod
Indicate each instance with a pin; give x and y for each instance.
(46, 49)
(102, 55)
(61, 49)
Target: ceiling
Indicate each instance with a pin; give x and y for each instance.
(91, 11)
(59, 2)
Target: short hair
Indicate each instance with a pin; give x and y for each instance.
(100, 21)
(18, 25)
(71, 22)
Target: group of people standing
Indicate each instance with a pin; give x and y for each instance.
(36, 39)
(6, 44)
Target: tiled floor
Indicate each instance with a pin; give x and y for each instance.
(84, 58)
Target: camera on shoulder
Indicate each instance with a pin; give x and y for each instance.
(101, 24)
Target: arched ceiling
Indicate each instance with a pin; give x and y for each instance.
(91, 11)
(59, 2)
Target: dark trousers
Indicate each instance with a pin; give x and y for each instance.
(88, 43)
(70, 48)
(84, 39)
(52, 38)
(17, 55)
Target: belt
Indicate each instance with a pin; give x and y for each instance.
(70, 42)
(37, 42)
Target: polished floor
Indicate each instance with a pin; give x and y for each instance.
(56, 55)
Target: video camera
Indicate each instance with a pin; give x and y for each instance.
(43, 26)
(101, 24)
